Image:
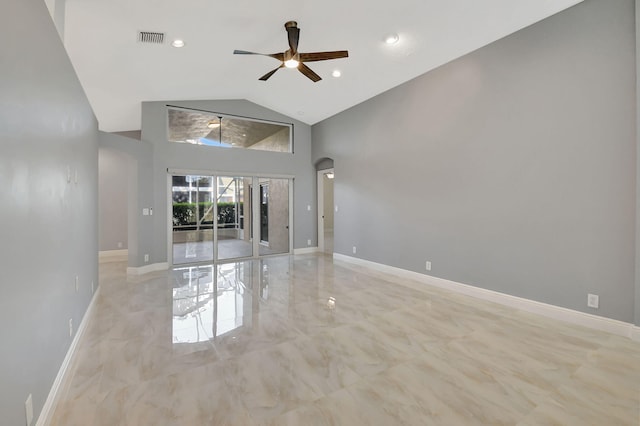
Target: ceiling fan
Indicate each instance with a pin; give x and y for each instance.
(291, 58)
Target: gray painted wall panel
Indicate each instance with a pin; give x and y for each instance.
(113, 203)
(232, 161)
(511, 169)
(48, 226)
(637, 271)
(139, 158)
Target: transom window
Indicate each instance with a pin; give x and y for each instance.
(225, 131)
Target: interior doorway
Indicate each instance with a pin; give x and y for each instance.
(325, 210)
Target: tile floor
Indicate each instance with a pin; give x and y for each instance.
(304, 340)
(202, 251)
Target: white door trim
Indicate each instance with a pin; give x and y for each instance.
(320, 190)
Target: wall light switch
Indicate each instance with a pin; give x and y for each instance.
(308, 207)
(336, 208)
(145, 212)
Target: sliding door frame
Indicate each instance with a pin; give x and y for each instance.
(255, 206)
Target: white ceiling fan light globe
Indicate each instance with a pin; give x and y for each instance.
(291, 63)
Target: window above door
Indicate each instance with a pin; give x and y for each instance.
(225, 131)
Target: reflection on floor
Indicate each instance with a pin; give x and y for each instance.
(202, 251)
(328, 241)
(305, 340)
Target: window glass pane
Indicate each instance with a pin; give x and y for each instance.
(234, 218)
(210, 129)
(192, 218)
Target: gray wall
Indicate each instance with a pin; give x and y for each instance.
(48, 226)
(637, 299)
(234, 161)
(139, 159)
(512, 168)
(113, 184)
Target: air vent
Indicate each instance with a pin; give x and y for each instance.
(150, 37)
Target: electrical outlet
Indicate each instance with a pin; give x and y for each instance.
(354, 249)
(119, 244)
(77, 283)
(28, 408)
(336, 208)
(308, 242)
(593, 300)
(70, 327)
(146, 257)
(308, 207)
(427, 265)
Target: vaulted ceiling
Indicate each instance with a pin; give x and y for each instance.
(118, 72)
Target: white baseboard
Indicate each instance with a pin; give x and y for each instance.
(46, 414)
(306, 250)
(551, 311)
(113, 255)
(141, 270)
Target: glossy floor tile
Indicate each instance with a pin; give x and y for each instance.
(305, 340)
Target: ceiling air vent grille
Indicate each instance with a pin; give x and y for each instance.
(150, 37)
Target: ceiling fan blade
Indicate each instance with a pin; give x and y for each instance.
(323, 56)
(270, 73)
(278, 56)
(294, 36)
(309, 73)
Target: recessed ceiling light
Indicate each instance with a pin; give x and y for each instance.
(336, 73)
(391, 38)
(177, 43)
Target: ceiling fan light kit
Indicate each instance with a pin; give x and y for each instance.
(291, 58)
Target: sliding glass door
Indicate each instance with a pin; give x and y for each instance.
(234, 218)
(274, 216)
(193, 218)
(220, 218)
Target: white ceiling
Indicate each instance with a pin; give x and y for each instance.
(118, 73)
